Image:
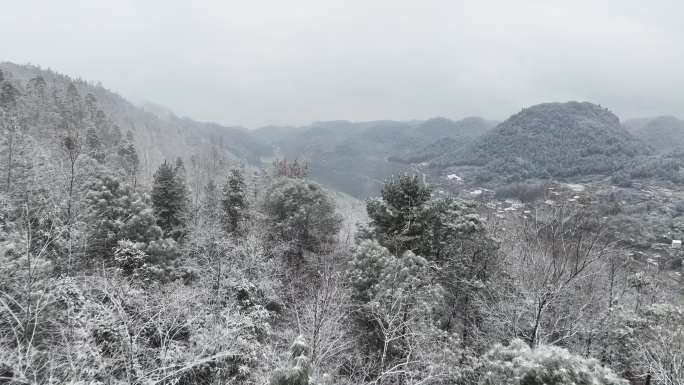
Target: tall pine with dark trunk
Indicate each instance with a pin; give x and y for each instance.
(130, 162)
(9, 124)
(235, 202)
(170, 201)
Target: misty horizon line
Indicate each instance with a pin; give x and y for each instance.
(145, 103)
(149, 105)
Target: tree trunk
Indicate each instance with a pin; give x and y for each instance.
(537, 323)
(10, 148)
(71, 190)
(69, 221)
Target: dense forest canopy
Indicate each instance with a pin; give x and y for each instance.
(137, 247)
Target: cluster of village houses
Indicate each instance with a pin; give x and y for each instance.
(556, 194)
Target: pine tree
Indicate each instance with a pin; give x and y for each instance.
(398, 218)
(72, 109)
(114, 133)
(235, 202)
(179, 168)
(394, 294)
(104, 128)
(37, 107)
(448, 233)
(170, 201)
(36, 87)
(129, 257)
(116, 212)
(457, 240)
(72, 148)
(298, 369)
(302, 213)
(94, 144)
(9, 97)
(90, 106)
(130, 162)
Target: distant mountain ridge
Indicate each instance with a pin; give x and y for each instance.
(448, 138)
(663, 133)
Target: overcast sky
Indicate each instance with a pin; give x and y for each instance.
(254, 63)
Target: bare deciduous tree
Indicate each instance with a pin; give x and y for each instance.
(72, 147)
(550, 257)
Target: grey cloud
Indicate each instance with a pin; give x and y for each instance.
(293, 62)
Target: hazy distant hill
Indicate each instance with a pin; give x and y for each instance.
(663, 133)
(355, 157)
(275, 134)
(437, 128)
(553, 140)
(450, 137)
(635, 123)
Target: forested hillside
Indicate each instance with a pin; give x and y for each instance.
(156, 135)
(214, 271)
(553, 140)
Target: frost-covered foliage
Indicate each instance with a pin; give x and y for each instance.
(447, 233)
(102, 284)
(129, 257)
(170, 200)
(381, 278)
(298, 367)
(114, 329)
(647, 341)
(117, 212)
(518, 364)
(367, 266)
(398, 298)
(398, 218)
(235, 202)
(301, 212)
